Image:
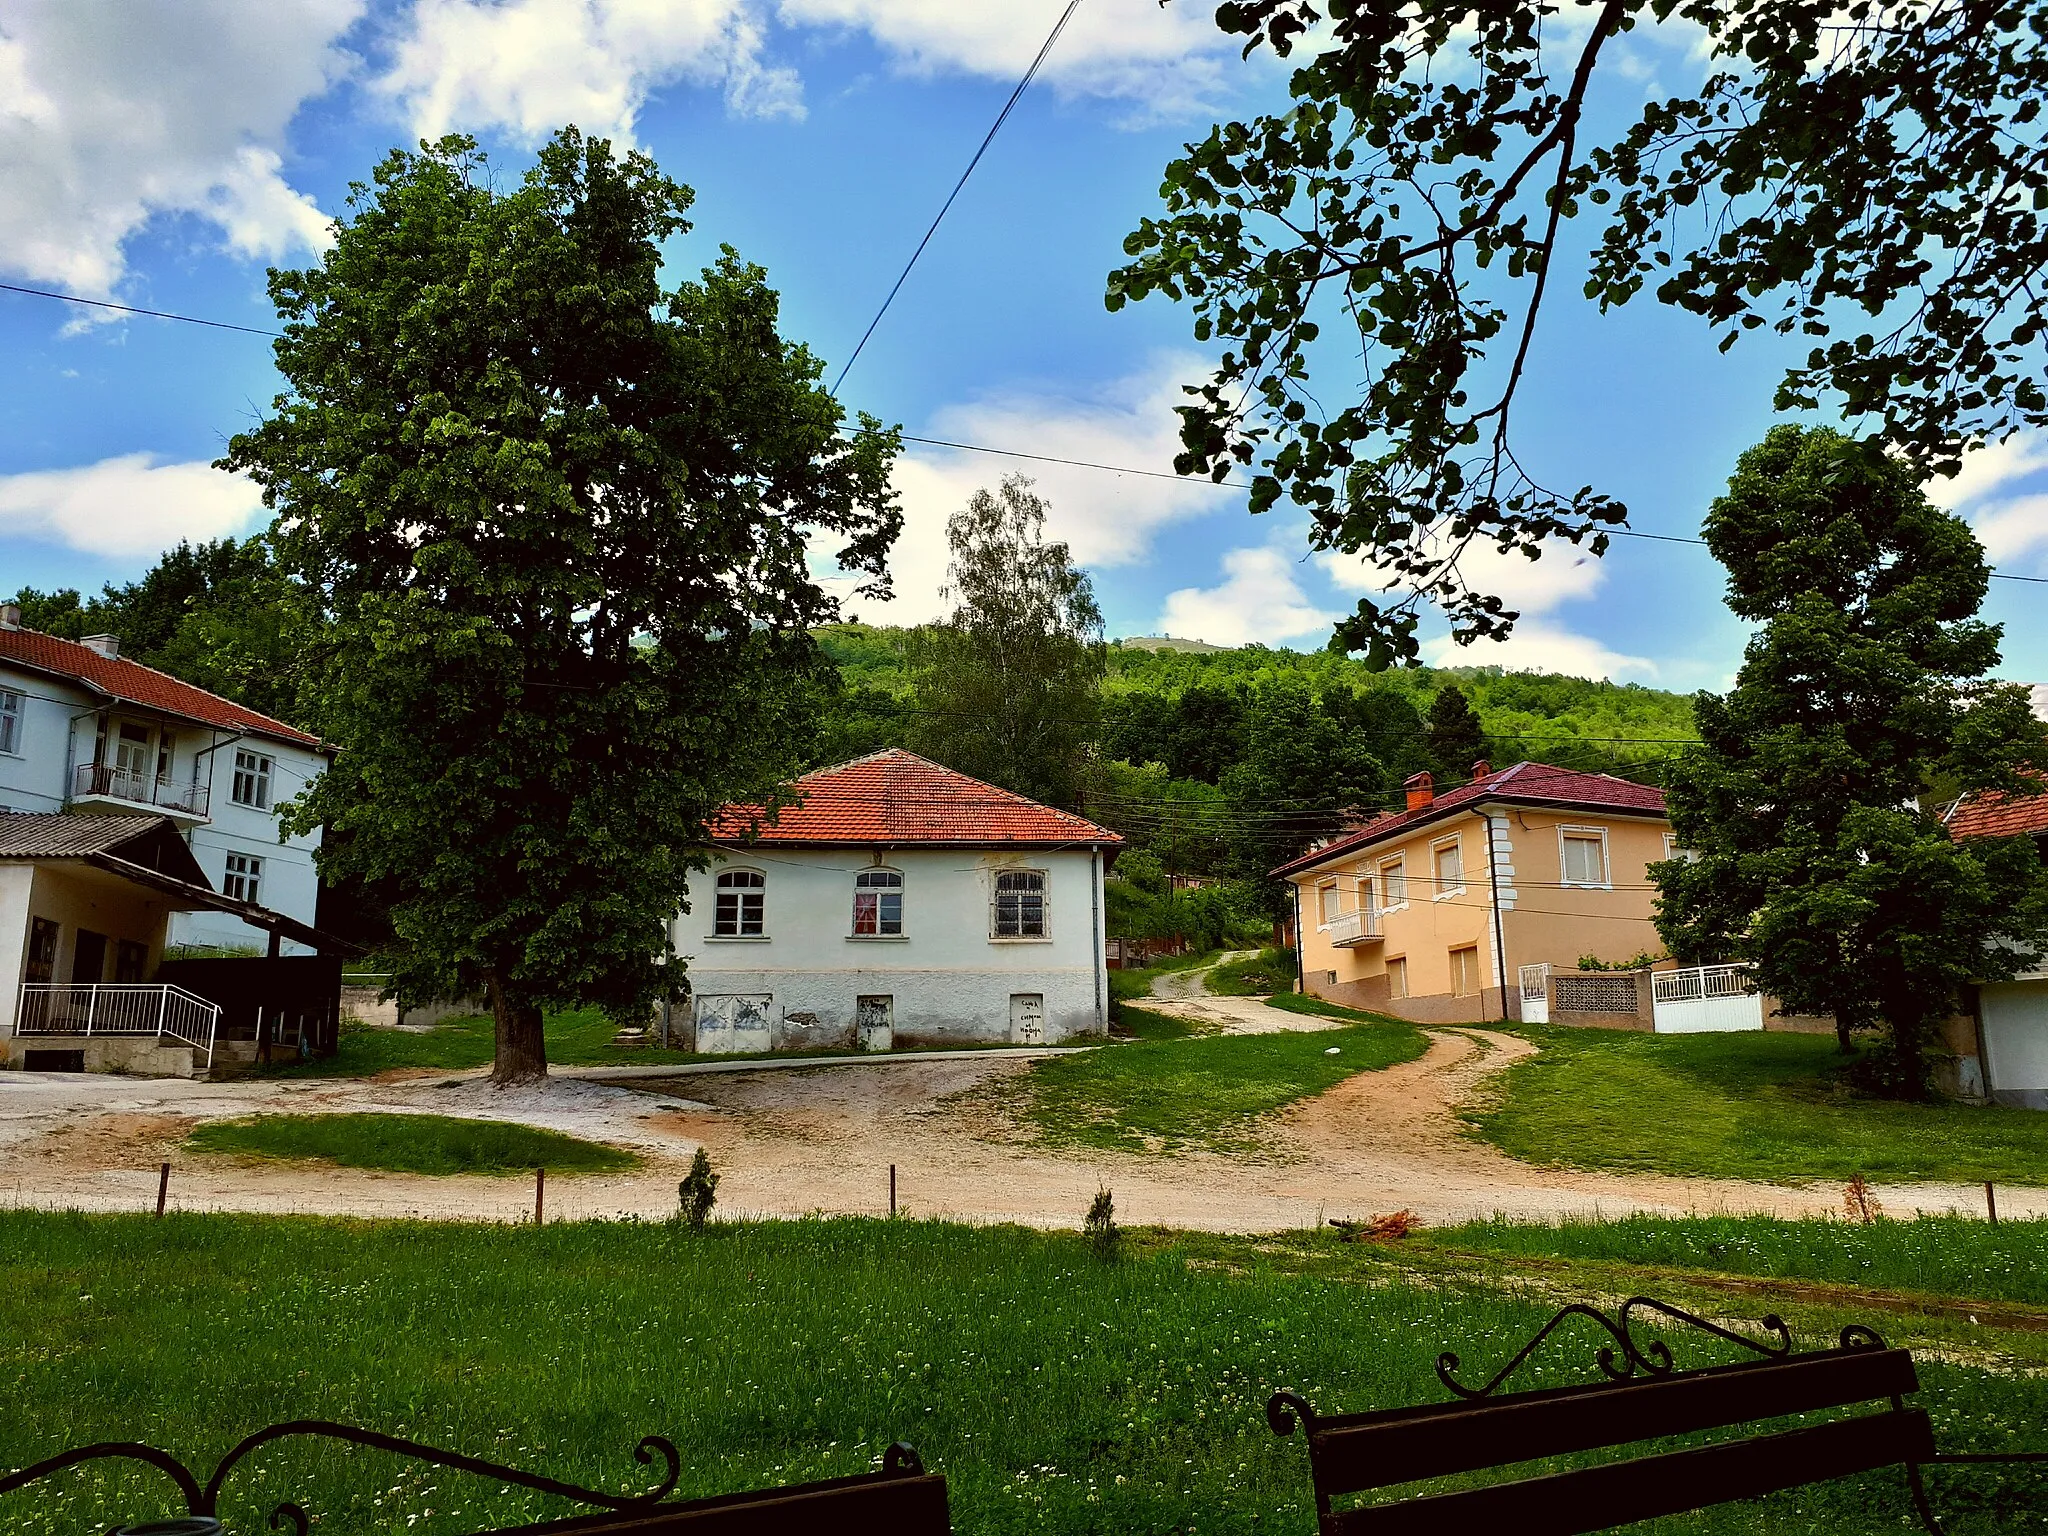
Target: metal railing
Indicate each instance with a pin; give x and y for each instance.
(118, 1008)
(165, 793)
(1700, 983)
(1353, 927)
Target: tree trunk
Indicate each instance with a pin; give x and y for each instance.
(522, 1048)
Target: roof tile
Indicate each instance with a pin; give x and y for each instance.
(1995, 815)
(133, 683)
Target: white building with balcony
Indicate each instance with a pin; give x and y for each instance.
(84, 729)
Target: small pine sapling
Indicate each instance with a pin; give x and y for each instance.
(698, 1192)
(1860, 1201)
(1104, 1236)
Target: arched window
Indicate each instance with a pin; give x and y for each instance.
(877, 904)
(1019, 905)
(741, 894)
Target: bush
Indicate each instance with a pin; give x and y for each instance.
(1104, 1236)
(698, 1192)
(1270, 970)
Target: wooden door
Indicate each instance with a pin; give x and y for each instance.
(89, 957)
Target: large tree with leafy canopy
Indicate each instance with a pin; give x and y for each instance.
(1815, 850)
(558, 518)
(1872, 176)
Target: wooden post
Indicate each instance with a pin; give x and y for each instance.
(163, 1185)
(540, 1192)
(892, 1188)
(1991, 1201)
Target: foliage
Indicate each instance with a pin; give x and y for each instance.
(1135, 981)
(1453, 734)
(1302, 777)
(1104, 1237)
(1888, 160)
(1765, 1106)
(1270, 970)
(1181, 823)
(1006, 686)
(1211, 1092)
(219, 615)
(1811, 856)
(1205, 919)
(432, 1144)
(558, 521)
(1641, 960)
(698, 1191)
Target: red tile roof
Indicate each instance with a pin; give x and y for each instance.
(1534, 784)
(897, 797)
(1996, 815)
(132, 683)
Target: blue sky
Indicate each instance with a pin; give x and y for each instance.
(163, 156)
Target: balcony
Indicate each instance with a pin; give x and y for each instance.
(1349, 929)
(101, 786)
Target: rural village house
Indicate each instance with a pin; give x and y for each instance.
(898, 902)
(2001, 1044)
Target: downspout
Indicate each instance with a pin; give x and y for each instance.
(1300, 975)
(1500, 943)
(1095, 934)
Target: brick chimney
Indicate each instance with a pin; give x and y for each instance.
(1481, 769)
(10, 615)
(1421, 791)
(108, 646)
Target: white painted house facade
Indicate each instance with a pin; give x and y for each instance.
(897, 903)
(84, 729)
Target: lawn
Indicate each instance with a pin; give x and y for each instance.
(1056, 1393)
(1169, 1091)
(438, 1144)
(1741, 1106)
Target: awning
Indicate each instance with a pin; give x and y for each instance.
(198, 896)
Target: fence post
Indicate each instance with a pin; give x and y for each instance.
(92, 1003)
(163, 1185)
(540, 1190)
(1991, 1202)
(892, 1189)
(163, 1004)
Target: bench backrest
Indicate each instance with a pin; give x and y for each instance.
(873, 1504)
(1358, 1453)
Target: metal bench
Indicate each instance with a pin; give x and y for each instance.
(901, 1499)
(1644, 1397)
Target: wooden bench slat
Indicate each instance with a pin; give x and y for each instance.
(868, 1505)
(1619, 1493)
(1352, 1456)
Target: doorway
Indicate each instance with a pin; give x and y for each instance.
(875, 1023)
(1027, 1018)
(89, 957)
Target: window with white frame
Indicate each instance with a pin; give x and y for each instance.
(1582, 855)
(877, 904)
(1394, 883)
(1327, 904)
(1673, 851)
(1449, 858)
(244, 877)
(1019, 905)
(1465, 971)
(10, 720)
(742, 899)
(252, 779)
(1365, 890)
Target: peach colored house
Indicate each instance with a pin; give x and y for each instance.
(1431, 913)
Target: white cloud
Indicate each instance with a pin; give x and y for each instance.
(129, 505)
(113, 113)
(1259, 600)
(1107, 520)
(2010, 525)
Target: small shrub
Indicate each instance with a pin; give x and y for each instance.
(1104, 1236)
(698, 1192)
(1860, 1203)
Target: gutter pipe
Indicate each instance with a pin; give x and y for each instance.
(1500, 943)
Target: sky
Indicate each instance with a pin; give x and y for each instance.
(164, 157)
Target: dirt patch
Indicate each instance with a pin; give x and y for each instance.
(122, 1139)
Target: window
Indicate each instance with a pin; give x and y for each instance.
(1450, 867)
(1020, 904)
(1584, 855)
(42, 951)
(1394, 881)
(1673, 851)
(877, 904)
(1465, 971)
(244, 877)
(10, 721)
(741, 895)
(252, 780)
(1397, 976)
(1327, 905)
(1365, 893)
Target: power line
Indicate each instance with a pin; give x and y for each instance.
(130, 309)
(995, 127)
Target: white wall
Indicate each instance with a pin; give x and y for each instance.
(2015, 1015)
(949, 979)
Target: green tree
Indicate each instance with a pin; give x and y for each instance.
(1872, 177)
(1453, 734)
(1303, 776)
(1006, 686)
(557, 519)
(1811, 855)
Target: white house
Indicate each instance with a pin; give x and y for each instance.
(84, 729)
(898, 902)
(2007, 1030)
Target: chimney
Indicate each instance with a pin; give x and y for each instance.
(1481, 769)
(1421, 791)
(108, 646)
(10, 615)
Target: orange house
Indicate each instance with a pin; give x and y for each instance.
(1431, 913)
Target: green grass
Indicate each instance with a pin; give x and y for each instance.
(1308, 1003)
(410, 1144)
(1056, 1394)
(1937, 1255)
(1137, 982)
(1270, 970)
(1169, 1091)
(1743, 1106)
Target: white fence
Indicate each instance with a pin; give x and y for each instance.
(1705, 999)
(1535, 983)
(90, 1008)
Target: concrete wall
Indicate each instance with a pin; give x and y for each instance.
(2015, 1025)
(949, 979)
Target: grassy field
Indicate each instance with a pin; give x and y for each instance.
(1270, 970)
(1171, 1090)
(1056, 1393)
(438, 1144)
(1744, 1106)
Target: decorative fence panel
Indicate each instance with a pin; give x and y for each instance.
(1595, 992)
(1705, 999)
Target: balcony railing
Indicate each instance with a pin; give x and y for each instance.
(89, 1008)
(1349, 928)
(165, 794)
